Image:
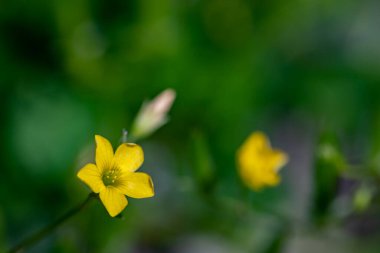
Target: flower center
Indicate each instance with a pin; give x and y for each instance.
(111, 176)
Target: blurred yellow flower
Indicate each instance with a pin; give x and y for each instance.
(114, 175)
(258, 163)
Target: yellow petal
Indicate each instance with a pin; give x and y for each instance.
(253, 149)
(129, 157)
(255, 142)
(113, 200)
(90, 175)
(278, 159)
(136, 185)
(257, 178)
(265, 179)
(104, 153)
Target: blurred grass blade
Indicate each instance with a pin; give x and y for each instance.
(375, 152)
(203, 167)
(279, 239)
(329, 163)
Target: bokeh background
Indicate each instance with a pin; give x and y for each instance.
(305, 72)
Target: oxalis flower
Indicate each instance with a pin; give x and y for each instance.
(114, 176)
(258, 163)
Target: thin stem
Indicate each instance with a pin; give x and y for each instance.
(124, 136)
(34, 238)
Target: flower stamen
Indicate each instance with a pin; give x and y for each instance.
(110, 176)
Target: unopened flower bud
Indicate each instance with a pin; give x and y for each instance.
(153, 114)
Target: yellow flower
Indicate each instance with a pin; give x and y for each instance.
(114, 175)
(258, 163)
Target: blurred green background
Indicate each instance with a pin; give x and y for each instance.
(297, 70)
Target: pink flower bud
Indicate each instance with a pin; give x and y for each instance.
(153, 114)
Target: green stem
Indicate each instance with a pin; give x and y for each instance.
(36, 237)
